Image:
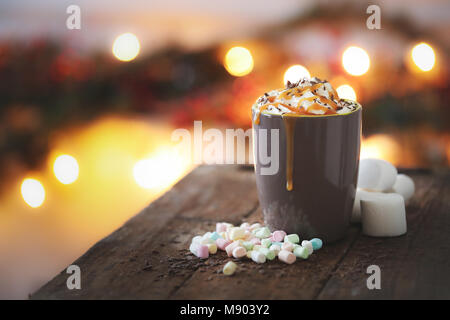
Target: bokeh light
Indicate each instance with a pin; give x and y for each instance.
(238, 61)
(346, 91)
(381, 146)
(159, 170)
(126, 47)
(33, 192)
(423, 56)
(355, 61)
(295, 73)
(66, 169)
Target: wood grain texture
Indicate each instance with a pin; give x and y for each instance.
(147, 258)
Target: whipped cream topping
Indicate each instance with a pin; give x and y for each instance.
(306, 97)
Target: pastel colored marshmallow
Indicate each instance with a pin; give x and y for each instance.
(287, 246)
(383, 215)
(404, 186)
(222, 243)
(221, 227)
(266, 243)
(196, 239)
(308, 245)
(376, 175)
(292, 238)
(236, 233)
(199, 250)
(270, 255)
(245, 225)
(212, 248)
(286, 256)
(248, 245)
(229, 249)
(278, 236)
(255, 226)
(255, 241)
(316, 243)
(239, 252)
(214, 236)
(262, 233)
(258, 256)
(301, 252)
(229, 268)
(275, 248)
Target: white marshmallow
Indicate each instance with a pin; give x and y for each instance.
(376, 175)
(383, 215)
(404, 186)
(356, 213)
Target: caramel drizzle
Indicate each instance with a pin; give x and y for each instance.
(289, 125)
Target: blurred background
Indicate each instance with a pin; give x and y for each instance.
(86, 115)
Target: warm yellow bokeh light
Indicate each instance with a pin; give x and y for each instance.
(423, 56)
(66, 169)
(238, 61)
(126, 47)
(381, 146)
(355, 61)
(159, 170)
(345, 91)
(33, 192)
(296, 72)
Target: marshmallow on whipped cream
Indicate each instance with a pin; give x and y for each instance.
(306, 97)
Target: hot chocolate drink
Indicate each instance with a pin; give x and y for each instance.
(313, 190)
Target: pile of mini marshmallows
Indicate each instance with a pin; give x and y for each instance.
(254, 242)
(380, 198)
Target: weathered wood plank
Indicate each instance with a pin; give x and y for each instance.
(132, 261)
(413, 266)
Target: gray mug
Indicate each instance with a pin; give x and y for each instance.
(313, 190)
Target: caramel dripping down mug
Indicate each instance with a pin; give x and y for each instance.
(313, 190)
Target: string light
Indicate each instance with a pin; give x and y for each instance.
(126, 47)
(33, 192)
(355, 61)
(423, 56)
(66, 169)
(295, 73)
(238, 61)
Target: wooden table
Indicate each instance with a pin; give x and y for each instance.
(148, 257)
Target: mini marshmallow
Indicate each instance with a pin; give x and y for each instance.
(229, 268)
(255, 226)
(196, 239)
(245, 225)
(287, 246)
(249, 254)
(308, 245)
(214, 236)
(239, 252)
(257, 247)
(229, 249)
(199, 250)
(286, 256)
(221, 227)
(376, 175)
(278, 236)
(270, 255)
(383, 215)
(258, 256)
(301, 252)
(316, 243)
(212, 248)
(222, 243)
(404, 186)
(255, 241)
(275, 248)
(262, 233)
(236, 233)
(247, 245)
(266, 243)
(292, 238)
